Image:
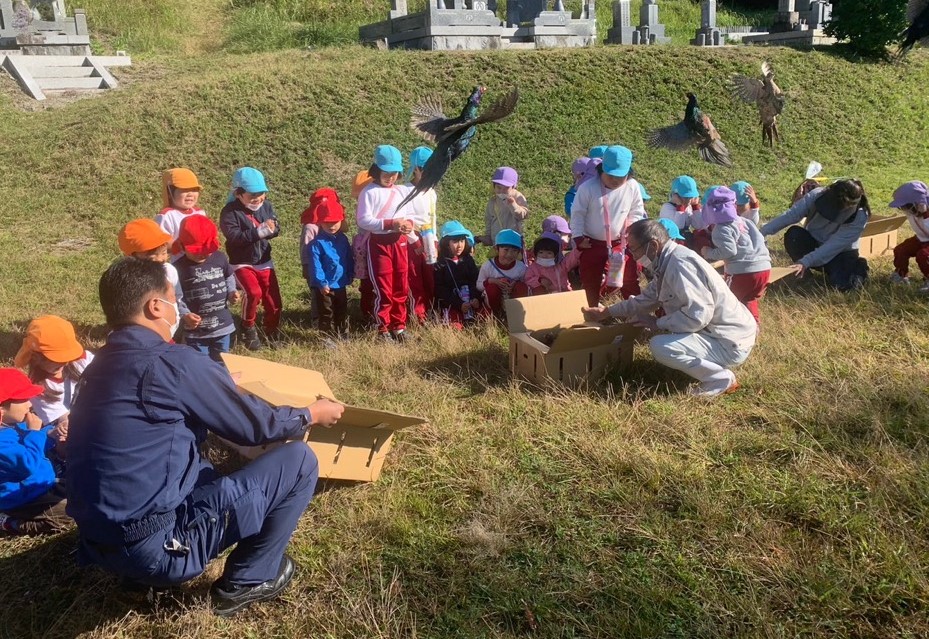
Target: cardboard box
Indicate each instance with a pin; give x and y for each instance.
(550, 340)
(777, 272)
(353, 449)
(880, 235)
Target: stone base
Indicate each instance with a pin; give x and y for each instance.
(802, 39)
(708, 38)
(621, 35)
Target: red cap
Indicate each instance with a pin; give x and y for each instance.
(326, 207)
(16, 387)
(198, 235)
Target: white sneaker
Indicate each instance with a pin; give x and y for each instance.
(896, 278)
(721, 383)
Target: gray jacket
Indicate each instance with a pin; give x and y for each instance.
(741, 246)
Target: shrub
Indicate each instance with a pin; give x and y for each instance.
(868, 25)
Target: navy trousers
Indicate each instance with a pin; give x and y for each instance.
(847, 271)
(256, 508)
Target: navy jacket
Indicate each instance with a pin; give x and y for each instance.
(135, 432)
(331, 261)
(240, 228)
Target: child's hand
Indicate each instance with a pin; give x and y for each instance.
(234, 297)
(475, 303)
(584, 243)
(192, 320)
(326, 290)
(60, 432)
(750, 192)
(272, 224)
(33, 422)
(465, 307)
(547, 283)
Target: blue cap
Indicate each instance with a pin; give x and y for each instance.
(706, 194)
(740, 196)
(388, 159)
(617, 161)
(685, 186)
(645, 196)
(597, 152)
(673, 232)
(418, 158)
(509, 237)
(454, 228)
(249, 179)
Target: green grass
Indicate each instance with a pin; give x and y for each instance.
(795, 508)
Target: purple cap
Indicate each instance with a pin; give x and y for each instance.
(505, 176)
(910, 193)
(591, 171)
(720, 206)
(579, 165)
(555, 224)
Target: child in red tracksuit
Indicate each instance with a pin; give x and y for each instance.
(387, 242)
(501, 277)
(549, 272)
(248, 223)
(455, 276)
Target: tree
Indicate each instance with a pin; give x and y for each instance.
(868, 25)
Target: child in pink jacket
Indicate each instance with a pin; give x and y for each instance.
(549, 272)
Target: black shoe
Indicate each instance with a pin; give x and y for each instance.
(275, 339)
(228, 600)
(250, 339)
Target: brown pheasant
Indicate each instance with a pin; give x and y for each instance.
(767, 96)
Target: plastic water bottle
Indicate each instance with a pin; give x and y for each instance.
(614, 275)
(464, 292)
(429, 244)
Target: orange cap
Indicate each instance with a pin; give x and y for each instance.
(361, 180)
(140, 236)
(179, 179)
(51, 336)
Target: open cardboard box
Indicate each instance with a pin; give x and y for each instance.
(880, 235)
(353, 449)
(549, 339)
(777, 272)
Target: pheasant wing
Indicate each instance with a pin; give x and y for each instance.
(712, 148)
(748, 89)
(429, 121)
(433, 171)
(497, 111)
(676, 137)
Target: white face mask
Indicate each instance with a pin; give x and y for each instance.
(645, 261)
(254, 207)
(545, 261)
(177, 316)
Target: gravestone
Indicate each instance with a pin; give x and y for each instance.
(42, 27)
(708, 35)
(650, 30)
(798, 23)
(622, 31)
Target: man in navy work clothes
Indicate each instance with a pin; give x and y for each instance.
(147, 505)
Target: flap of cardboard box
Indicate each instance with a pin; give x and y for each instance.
(538, 312)
(301, 384)
(883, 224)
(779, 272)
(583, 337)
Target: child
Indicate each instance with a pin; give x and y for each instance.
(143, 239)
(308, 232)
(55, 359)
(739, 243)
(331, 266)
(549, 272)
(507, 208)
(209, 281)
(456, 276)
(248, 223)
(386, 243)
(559, 226)
(913, 199)
(683, 203)
(501, 277)
(180, 192)
(579, 171)
(673, 232)
(746, 202)
(32, 497)
(422, 211)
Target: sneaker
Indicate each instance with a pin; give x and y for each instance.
(399, 336)
(275, 338)
(896, 278)
(924, 289)
(250, 338)
(721, 383)
(229, 599)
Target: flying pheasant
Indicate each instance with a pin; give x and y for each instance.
(766, 95)
(695, 129)
(452, 135)
(917, 12)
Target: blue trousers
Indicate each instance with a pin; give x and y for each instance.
(847, 271)
(256, 508)
(212, 346)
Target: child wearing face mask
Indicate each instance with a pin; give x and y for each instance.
(33, 498)
(549, 272)
(54, 359)
(144, 240)
(912, 199)
(501, 277)
(455, 276)
(180, 193)
(507, 208)
(739, 243)
(682, 205)
(248, 223)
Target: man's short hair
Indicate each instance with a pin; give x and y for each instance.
(126, 285)
(645, 231)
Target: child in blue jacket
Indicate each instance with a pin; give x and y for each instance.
(32, 497)
(330, 263)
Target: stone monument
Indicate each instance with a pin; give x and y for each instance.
(42, 27)
(798, 23)
(650, 30)
(708, 35)
(621, 32)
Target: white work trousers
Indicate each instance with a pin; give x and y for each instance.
(688, 352)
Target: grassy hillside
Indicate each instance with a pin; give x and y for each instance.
(173, 26)
(796, 507)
